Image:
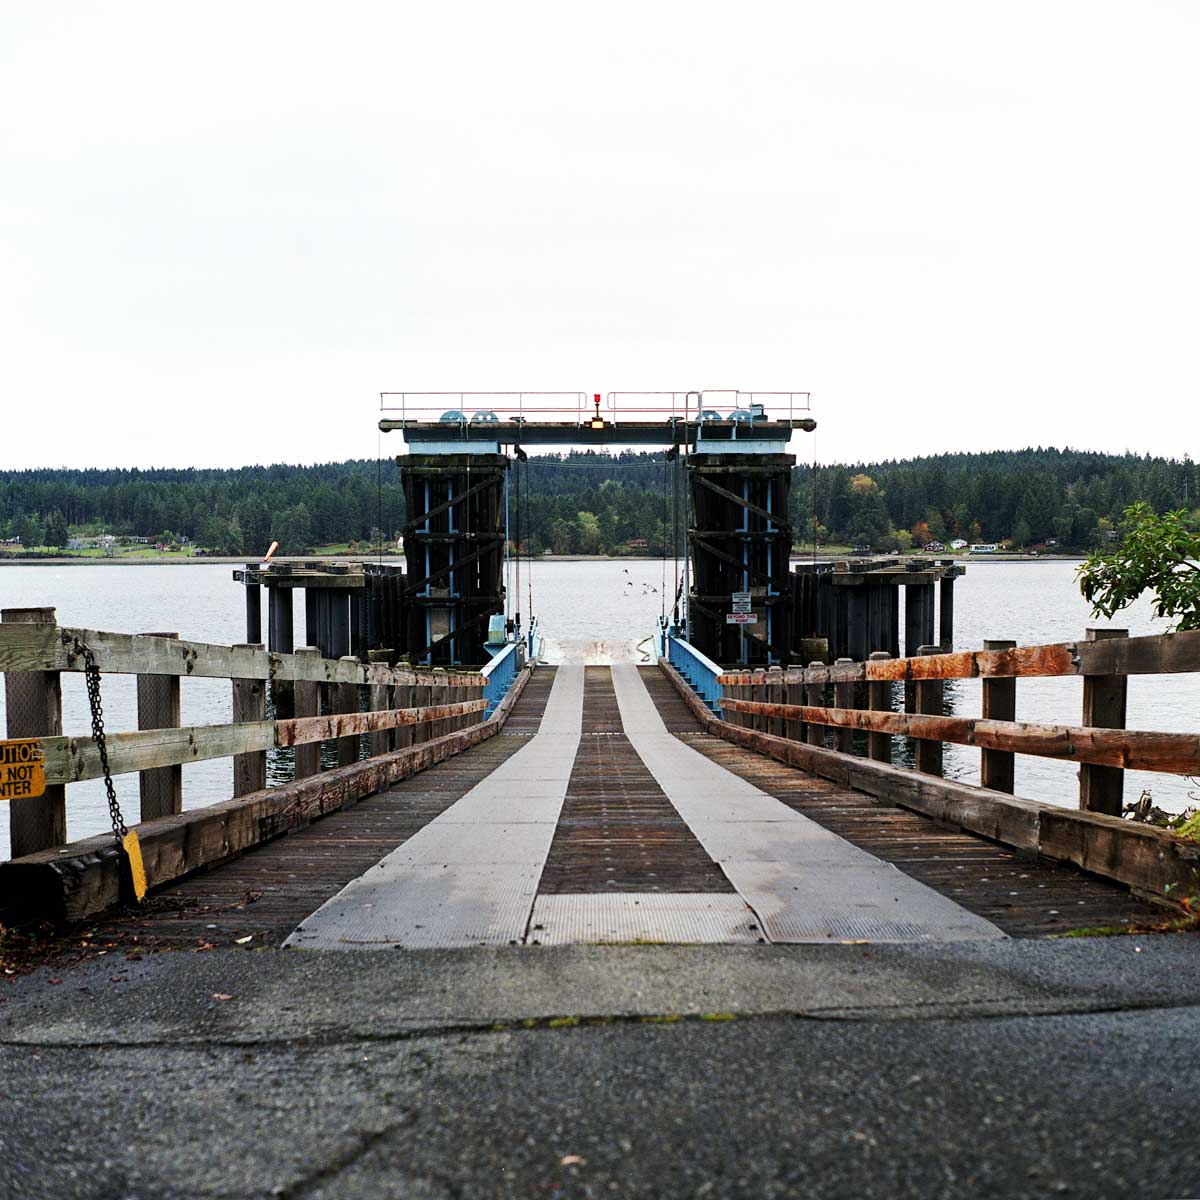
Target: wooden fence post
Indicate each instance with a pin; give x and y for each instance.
(1104, 697)
(879, 697)
(420, 699)
(306, 704)
(929, 701)
(437, 696)
(775, 693)
(759, 693)
(793, 693)
(740, 691)
(843, 697)
(996, 767)
(347, 702)
(378, 701)
(33, 701)
(249, 704)
(160, 788)
(814, 697)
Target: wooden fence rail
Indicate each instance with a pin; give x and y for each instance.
(74, 759)
(1099, 742)
(1160, 654)
(45, 646)
(1137, 750)
(316, 700)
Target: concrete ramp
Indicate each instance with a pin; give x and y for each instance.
(469, 877)
(805, 883)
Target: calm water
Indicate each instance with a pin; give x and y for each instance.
(613, 602)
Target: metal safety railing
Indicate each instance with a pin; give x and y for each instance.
(478, 408)
(692, 405)
(701, 673)
(484, 407)
(500, 673)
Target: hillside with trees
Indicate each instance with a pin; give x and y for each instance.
(588, 503)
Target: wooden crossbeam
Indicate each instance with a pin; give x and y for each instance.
(775, 519)
(412, 589)
(762, 641)
(453, 502)
(737, 562)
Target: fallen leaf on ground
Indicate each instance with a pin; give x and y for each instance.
(242, 941)
(221, 996)
(572, 1160)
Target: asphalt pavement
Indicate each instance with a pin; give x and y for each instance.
(1052, 1068)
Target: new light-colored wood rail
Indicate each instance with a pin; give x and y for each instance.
(1144, 751)
(794, 700)
(1161, 654)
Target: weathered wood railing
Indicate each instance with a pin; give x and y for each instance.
(387, 723)
(809, 717)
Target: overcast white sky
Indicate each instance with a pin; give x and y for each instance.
(224, 228)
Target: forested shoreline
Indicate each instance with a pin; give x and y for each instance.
(588, 503)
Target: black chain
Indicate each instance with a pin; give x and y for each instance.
(91, 674)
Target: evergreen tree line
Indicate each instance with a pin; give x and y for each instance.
(589, 503)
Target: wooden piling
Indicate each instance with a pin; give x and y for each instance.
(160, 788)
(253, 606)
(33, 701)
(249, 704)
(946, 612)
(857, 628)
(280, 640)
(359, 623)
(339, 624)
(996, 767)
(879, 745)
(1104, 700)
(929, 701)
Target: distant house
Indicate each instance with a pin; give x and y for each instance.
(984, 548)
(935, 547)
(958, 544)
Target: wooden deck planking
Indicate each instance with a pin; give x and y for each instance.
(1025, 896)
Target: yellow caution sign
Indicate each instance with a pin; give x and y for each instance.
(133, 851)
(22, 769)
